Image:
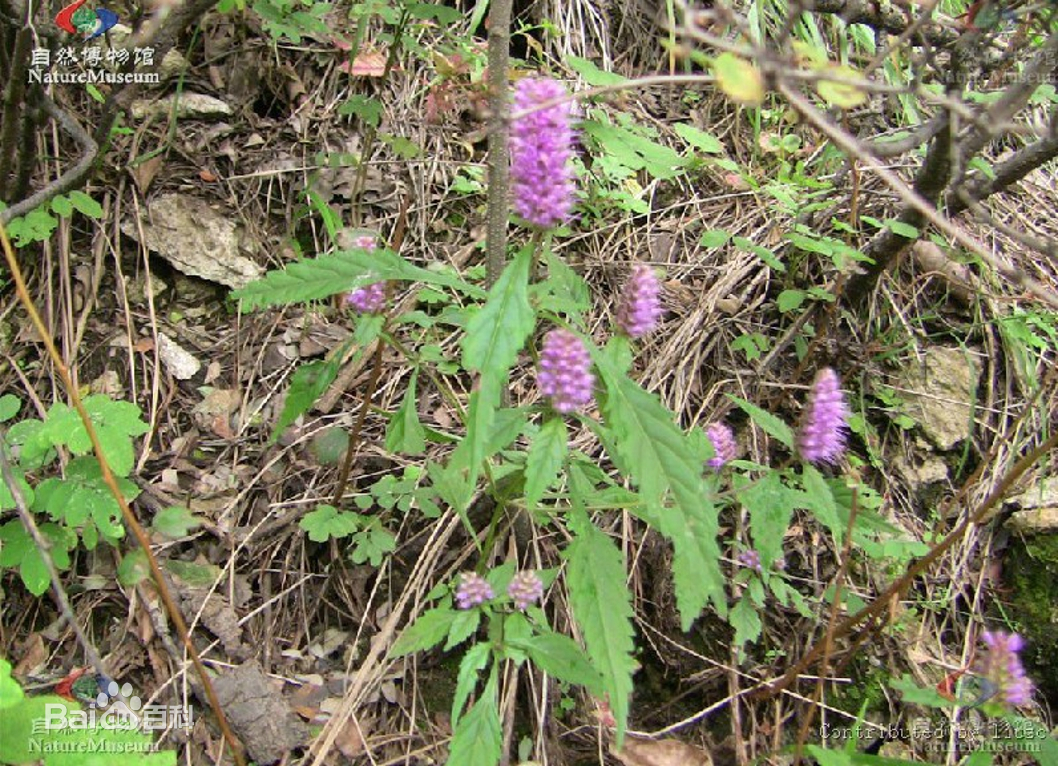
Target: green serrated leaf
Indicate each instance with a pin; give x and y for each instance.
(339, 272)
(366, 108)
(327, 521)
(821, 502)
(592, 74)
(648, 447)
(477, 739)
(768, 422)
(699, 139)
(602, 608)
(770, 508)
(905, 230)
(746, 622)
(714, 238)
(428, 631)
(85, 204)
(473, 662)
(463, 627)
(441, 13)
(175, 521)
(559, 656)
(546, 455)
(739, 79)
(495, 335)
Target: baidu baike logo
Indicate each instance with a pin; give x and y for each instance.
(117, 708)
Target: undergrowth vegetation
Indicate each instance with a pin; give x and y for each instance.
(711, 456)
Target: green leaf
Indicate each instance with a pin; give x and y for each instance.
(366, 108)
(602, 608)
(714, 238)
(592, 74)
(840, 94)
(699, 139)
(476, 658)
(559, 656)
(62, 206)
(635, 151)
(821, 501)
(441, 13)
(739, 79)
(429, 630)
(648, 447)
(789, 300)
(905, 230)
(10, 692)
(746, 622)
(339, 272)
(768, 422)
(546, 455)
(372, 544)
(770, 508)
(477, 739)
(134, 568)
(175, 521)
(463, 627)
(193, 574)
(85, 204)
(405, 433)
(329, 445)
(9, 406)
(495, 335)
(327, 521)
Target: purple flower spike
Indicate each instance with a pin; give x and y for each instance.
(1001, 667)
(368, 300)
(564, 373)
(724, 447)
(640, 306)
(472, 590)
(822, 435)
(541, 146)
(525, 589)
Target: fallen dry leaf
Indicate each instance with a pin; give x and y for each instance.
(662, 752)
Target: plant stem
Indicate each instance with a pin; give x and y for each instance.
(499, 181)
(365, 405)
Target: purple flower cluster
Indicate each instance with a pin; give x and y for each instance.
(1001, 666)
(822, 435)
(525, 589)
(749, 559)
(541, 146)
(370, 299)
(565, 371)
(640, 306)
(724, 446)
(473, 590)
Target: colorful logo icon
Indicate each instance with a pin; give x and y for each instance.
(76, 18)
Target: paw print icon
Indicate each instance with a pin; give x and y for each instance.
(118, 703)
